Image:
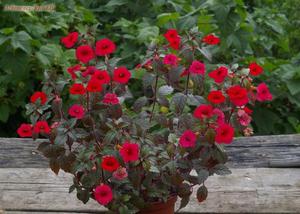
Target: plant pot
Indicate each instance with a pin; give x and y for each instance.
(160, 207)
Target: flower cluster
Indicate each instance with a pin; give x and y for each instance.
(134, 137)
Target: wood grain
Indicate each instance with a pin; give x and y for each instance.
(262, 190)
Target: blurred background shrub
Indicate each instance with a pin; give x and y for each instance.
(267, 31)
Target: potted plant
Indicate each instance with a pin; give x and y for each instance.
(136, 140)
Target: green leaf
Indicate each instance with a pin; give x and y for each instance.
(146, 34)
(54, 165)
(83, 195)
(164, 18)
(221, 169)
(202, 193)
(21, 40)
(179, 101)
(202, 175)
(165, 90)
(140, 103)
(4, 112)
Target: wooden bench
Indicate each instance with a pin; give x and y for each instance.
(265, 179)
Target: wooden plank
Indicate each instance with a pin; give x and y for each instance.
(244, 152)
(246, 190)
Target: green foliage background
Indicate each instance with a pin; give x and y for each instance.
(263, 30)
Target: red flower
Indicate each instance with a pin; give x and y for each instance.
(111, 99)
(103, 194)
(175, 43)
(121, 75)
(76, 111)
(170, 59)
(211, 39)
(203, 111)
(225, 134)
(188, 139)
(110, 163)
(105, 46)
(130, 152)
(238, 95)
(197, 67)
(255, 69)
(70, 40)
(39, 95)
(102, 76)
(25, 130)
(77, 88)
(263, 93)
(171, 34)
(85, 53)
(248, 110)
(89, 71)
(41, 127)
(216, 97)
(219, 74)
(71, 70)
(94, 85)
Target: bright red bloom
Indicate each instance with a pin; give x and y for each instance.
(170, 59)
(188, 139)
(255, 69)
(41, 127)
(219, 74)
(94, 85)
(77, 88)
(263, 93)
(121, 75)
(25, 130)
(238, 95)
(216, 97)
(70, 40)
(71, 70)
(225, 134)
(211, 39)
(103, 194)
(175, 43)
(39, 95)
(248, 110)
(105, 46)
(171, 34)
(197, 67)
(203, 111)
(76, 111)
(85, 53)
(130, 152)
(110, 163)
(89, 71)
(102, 76)
(111, 99)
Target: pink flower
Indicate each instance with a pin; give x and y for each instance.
(197, 67)
(103, 194)
(76, 111)
(203, 111)
(170, 59)
(220, 116)
(111, 99)
(187, 139)
(243, 118)
(225, 134)
(263, 93)
(120, 173)
(130, 152)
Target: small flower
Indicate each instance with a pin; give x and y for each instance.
(110, 163)
(188, 139)
(39, 95)
(41, 127)
(243, 118)
(170, 59)
(225, 134)
(85, 53)
(130, 152)
(120, 173)
(105, 46)
(220, 116)
(121, 75)
(89, 71)
(103, 194)
(203, 111)
(219, 74)
(72, 70)
(110, 98)
(216, 97)
(238, 95)
(77, 88)
(76, 111)
(248, 110)
(102, 76)
(197, 67)
(263, 93)
(94, 85)
(248, 131)
(70, 40)
(171, 34)
(255, 69)
(25, 130)
(175, 43)
(211, 39)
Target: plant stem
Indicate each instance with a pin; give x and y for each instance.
(154, 99)
(187, 83)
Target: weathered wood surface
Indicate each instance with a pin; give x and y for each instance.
(245, 190)
(258, 151)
